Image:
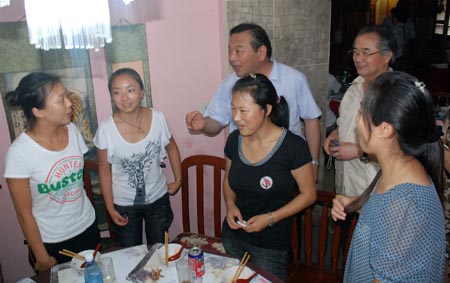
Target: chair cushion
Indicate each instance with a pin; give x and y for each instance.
(202, 241)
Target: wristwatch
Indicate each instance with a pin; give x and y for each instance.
(364, 158)
(315, 162)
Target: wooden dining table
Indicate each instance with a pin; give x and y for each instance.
(128, 259)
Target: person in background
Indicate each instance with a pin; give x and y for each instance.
(265, 165)
(405, 7)
(373, 51)
(399, 18)
(132, 145)
(333, 88)
(400, 235)
(443, 122)
(44, 172)
(250, 51)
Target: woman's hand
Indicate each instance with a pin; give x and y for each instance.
(45, 265)
(234, 213)
(257, 223)
(118, 218)
(172, 188)
(339, 202)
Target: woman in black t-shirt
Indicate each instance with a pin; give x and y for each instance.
(266, 163)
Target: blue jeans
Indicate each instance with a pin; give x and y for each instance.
(273, 260)
(157, 217)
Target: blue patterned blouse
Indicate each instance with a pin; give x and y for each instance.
(400, 237)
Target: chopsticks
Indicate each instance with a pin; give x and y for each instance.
(241, 267)
(72, 254)
(166, 248)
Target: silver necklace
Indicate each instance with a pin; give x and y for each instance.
(141, 114)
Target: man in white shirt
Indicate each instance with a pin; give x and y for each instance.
(373, 51)
(250, 51)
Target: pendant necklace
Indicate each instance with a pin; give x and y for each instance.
(140, 130)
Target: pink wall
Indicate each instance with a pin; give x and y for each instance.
(185, 70)
(187, 58)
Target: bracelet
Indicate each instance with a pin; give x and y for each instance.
(315, 162)
(179, 180)
(271, 222)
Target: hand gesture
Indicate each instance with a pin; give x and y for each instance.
(195, 121)
(118, 218)
(257, 223)
(332, 137)
(233, 215)
(339, 202)
(345, 151)
(172, 188)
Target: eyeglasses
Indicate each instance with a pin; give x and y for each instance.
(365, 53)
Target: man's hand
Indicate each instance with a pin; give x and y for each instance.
(333, 136)
(195, 122)
(345, 151)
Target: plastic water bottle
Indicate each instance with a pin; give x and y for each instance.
(92, 272)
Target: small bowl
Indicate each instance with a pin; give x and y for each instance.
(76, 263)
(173, 249)
(228, 273)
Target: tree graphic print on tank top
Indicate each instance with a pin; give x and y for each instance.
(136, 165)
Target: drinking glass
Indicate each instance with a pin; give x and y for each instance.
(107, 266)
(183, 270)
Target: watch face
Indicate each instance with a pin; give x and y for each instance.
(364, 158)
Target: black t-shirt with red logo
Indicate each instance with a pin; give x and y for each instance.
(266, 185)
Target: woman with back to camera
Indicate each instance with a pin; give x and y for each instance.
(131, 146)
(265, 165)
(44, 171)
(400, 235)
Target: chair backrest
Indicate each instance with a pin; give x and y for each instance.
(91, 167)
(330, 232)
(200, 163)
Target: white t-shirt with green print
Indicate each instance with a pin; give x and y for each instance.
(59, 202)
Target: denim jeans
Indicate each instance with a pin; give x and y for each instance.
(157, 217)
(273, 260)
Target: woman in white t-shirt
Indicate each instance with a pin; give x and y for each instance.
(132, 145)
(44, 172)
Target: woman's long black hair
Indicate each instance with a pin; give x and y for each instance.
(402, 101)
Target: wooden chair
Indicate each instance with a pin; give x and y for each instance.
(91, 168)
(200, 163)
(324, 252)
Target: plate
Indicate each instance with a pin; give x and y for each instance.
(76, 263)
